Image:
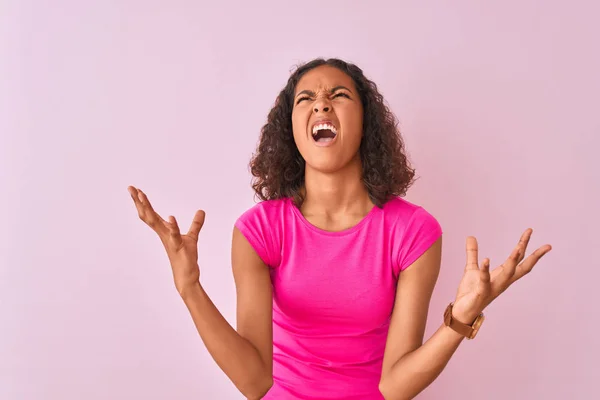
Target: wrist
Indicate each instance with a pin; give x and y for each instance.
(465, 318)
(189, 290)
(465, 323)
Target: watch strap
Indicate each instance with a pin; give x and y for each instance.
(463, 329)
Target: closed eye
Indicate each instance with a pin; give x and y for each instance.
(302, 99)
(341, 94)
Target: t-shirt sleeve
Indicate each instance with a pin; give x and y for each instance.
(256, 224)
(420, 234)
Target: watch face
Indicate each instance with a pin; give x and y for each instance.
(448, 315)
(477, 324)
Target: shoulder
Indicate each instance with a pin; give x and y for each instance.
(264, 211)
(406, 213)
(261, 225)
(414, 230)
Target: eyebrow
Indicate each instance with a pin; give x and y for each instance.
(335, 89)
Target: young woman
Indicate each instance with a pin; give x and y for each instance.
(334, 271)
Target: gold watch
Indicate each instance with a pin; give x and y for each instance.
(468, 331)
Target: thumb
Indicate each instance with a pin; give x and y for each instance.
(197, 224)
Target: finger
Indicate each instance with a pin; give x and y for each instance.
(485, 270)
(484, 275)
(472, 254)
(174, 233)
(505, 272)
(509, 266)
(527, 265)
(133, 192)
(149, 216)
(523, 243)
(196, 225)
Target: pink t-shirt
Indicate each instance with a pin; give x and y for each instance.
(333, 293)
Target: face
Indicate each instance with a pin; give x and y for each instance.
(327, 119)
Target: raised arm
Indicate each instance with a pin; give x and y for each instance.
(244, 355)
(254, 305)
(410, 365)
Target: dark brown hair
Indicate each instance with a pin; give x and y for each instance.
(278, 167)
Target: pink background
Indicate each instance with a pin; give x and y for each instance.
(499, 106)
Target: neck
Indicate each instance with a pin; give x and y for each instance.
(340, 192)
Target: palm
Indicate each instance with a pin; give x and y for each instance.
(186, 245)
(189, 246)
(470, 288)
(184, 260)
(479, 287)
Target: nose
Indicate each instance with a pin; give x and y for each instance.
(322, 105)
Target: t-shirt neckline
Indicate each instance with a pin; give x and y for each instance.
(343, 232)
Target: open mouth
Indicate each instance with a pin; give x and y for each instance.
(324, 132)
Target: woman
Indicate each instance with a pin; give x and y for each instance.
(334, 271)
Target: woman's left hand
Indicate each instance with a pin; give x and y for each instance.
(479, 287)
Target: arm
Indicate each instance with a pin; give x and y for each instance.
(409, 366)
(244, 355)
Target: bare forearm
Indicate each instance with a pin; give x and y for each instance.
(418, 369)
(235, 355)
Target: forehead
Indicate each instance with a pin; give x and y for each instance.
(324, 77)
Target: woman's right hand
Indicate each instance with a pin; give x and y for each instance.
(182, 250)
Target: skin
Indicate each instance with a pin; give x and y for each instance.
(335, 199)
(245, 354)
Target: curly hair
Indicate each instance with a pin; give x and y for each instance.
(278, 168)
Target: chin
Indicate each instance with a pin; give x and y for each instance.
(326, 165)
